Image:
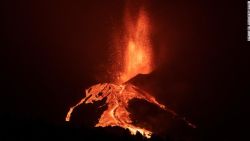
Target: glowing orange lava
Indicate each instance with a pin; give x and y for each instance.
(137, 59)
(138, 52)
(118, 97)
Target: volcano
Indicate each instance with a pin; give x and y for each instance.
(136, 56)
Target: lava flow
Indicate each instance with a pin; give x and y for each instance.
(137, 59)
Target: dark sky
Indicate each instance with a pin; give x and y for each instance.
(53, 50)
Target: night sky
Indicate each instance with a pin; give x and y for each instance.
(53, 50)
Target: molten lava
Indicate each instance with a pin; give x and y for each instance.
(138, 52)
(137, 59)
(118, 97)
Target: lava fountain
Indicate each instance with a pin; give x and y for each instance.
(137, 58)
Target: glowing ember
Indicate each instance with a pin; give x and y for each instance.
(137, 60)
